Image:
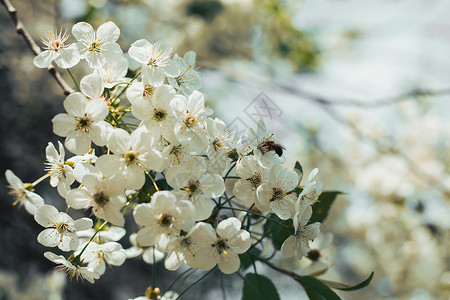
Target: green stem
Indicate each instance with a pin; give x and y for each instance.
(73, 79)
(92, 237)
(195, 282)
(123, 91)
(151, 177)
(176, 279)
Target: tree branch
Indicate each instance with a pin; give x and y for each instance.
(21, 30)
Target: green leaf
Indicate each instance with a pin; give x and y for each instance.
(322, 206)
(278, 230)
(247, 257)
(258, 287)
(299, 170)
(346, 287)
(316, 289)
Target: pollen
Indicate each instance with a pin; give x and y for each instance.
(55, 40)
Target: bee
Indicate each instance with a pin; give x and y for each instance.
(269, 145)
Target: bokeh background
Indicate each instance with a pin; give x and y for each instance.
(359, 89)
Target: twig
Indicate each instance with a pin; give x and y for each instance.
(21, 30)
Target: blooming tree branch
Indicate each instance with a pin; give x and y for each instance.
(21, 30)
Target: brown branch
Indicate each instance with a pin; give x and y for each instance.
(21, 30)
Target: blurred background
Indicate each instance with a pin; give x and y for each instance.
(359, 89)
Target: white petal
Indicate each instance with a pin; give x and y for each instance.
(108, 32)
(212, 185)
(45, 58)
(50, 237)
(229, 227)
(69, 57)
(46, 215)
(92, 86)
(289, 246)
(63, 124)
(229, 263)
(82, 224)
(81, 30)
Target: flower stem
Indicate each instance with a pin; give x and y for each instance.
(73, 79)
(178, 278)
(40, 179)
(195, 282)
(151, 177)
(123, 91)
(92, 237)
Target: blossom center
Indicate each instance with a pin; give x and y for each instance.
(278, 194)
(101, 199)
(148, 90)
(192, 188)
(165, 220)
(55, 41)
(130, 157)
(95, 46)
(221, 246)
(83, 123)
(159, 114)
(255, 180)
(189, 121)
(313, 254)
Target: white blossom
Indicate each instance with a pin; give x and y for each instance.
(61, 174)
(277, 194)
(98, 255)
(72, 268)
(97, 47)
(299, 242)
(22, 194)
(221, 246)
(61, 228)
(65, 55)
(162, 219)
(83, 122)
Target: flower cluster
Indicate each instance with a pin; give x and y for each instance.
(199, 192)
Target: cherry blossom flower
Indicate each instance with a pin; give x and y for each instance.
(182, 73)
(135, 151)
(22, 193)
(144, 90)
(277, 194)
(151, 56)
(191, 183)
(299, 242)
(156, 113)
(162, 219)
(190, 115)
(65, 55)
(100, 47)
(103, 193)
(252, 174)
(311, 190)
(83, 122)
(72, 267)
(221, 246)
(61, 228)
(113, 72)
(98, 255)
(61, 174)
